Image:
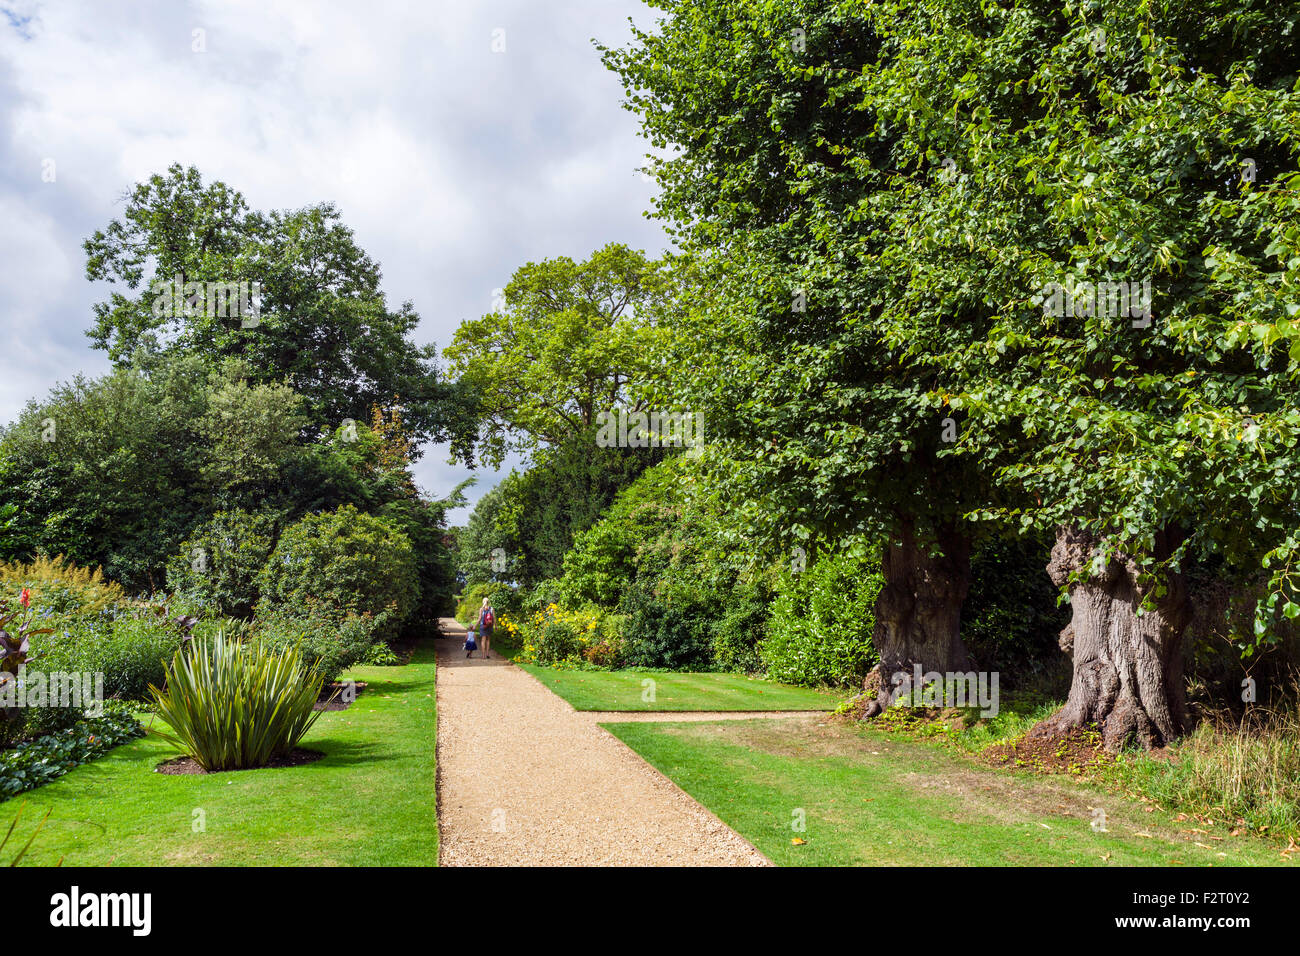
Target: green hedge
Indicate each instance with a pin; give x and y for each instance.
(819, 632)
(338, 565)
(219, 564)
(330, 644)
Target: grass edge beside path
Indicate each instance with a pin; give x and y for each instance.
(627, 690)
(371, 801)
(865, 798)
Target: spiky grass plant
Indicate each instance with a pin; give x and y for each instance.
(4, 841)
(234, 705)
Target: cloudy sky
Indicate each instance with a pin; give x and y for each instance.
(454, 160)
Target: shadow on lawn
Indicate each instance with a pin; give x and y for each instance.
(378, 688)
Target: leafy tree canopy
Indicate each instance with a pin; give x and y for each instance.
(572, 340)
(320, 324)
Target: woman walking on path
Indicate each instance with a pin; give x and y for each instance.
(487, 620)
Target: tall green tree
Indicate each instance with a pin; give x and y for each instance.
(320, 322)
(109, 471)
(778, 187)
(1114, 191)
(522, 530)
(570, 341)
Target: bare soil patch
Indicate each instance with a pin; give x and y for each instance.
(184, 766)
(329, 701)
(1074, 753)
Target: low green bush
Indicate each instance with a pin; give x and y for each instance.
(131, 651)
(819, 630)
(234, 705)
(559, 637)
(737, 635)
(219, 564)
(381, 655)
(340, 564)
(328, 644)
(46, 758)
(558, 641)
(667, 630)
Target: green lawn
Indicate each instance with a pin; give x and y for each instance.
(370, 801)
(869, 799)
(626, 690)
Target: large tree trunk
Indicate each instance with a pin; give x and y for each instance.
(918, 613)
(1128, 667)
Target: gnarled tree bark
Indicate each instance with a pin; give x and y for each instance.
(1128, 666)
(918, 612)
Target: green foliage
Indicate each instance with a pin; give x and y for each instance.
(424, 524)
(131, 650)
(380, 655)
(236, 705)
(668, 630)
(522, 530)
(738, 634)
(250, 431)
(665, 541)
(569, 342)
(218, 565)
(324, 327)
(554, 636)
(119, 472)
(1011, 621)
(327, 643)
(105, 471)
(342, 563)
(483, 539)
(875, 201)
(46, 758)
(558, 642)
(778, 191)
(822, 619)
(606, 558)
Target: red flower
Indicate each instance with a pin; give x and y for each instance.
(26, 599)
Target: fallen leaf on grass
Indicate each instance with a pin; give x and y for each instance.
(797, 841)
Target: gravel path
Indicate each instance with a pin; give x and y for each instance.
(525, 780)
